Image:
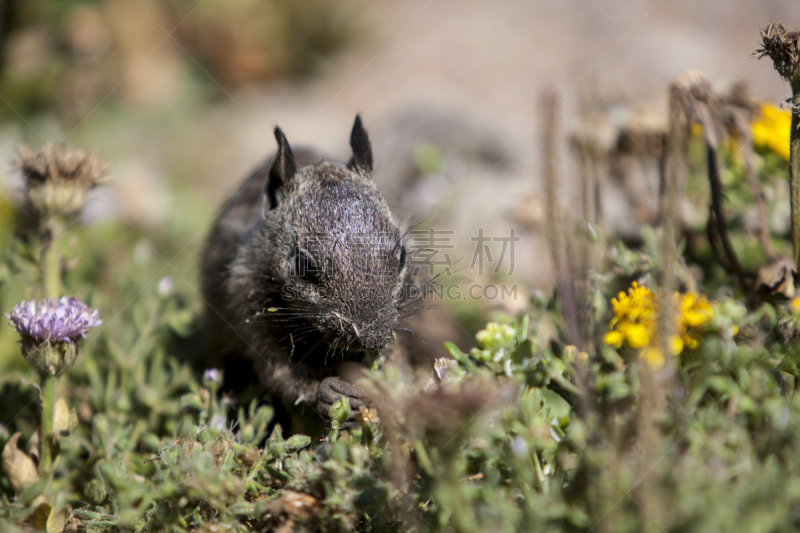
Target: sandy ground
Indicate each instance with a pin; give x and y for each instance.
(484, 63)
(489, 61)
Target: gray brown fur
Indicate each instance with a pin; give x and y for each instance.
(296, 326)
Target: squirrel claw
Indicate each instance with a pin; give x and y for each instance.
(333, 389)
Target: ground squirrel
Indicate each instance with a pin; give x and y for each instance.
(305, 268)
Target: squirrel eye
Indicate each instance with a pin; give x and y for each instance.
(306, 267)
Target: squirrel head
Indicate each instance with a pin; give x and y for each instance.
(330, 243)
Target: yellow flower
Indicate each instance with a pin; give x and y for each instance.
(637, 336)
(614, 338)
(654, 357)
(573, 354)
(773, 130)
(794, 305)
(496, 336)
(677, 345)
(635, 319)
(635, 323)
(696, 312)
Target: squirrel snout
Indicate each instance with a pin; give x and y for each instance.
(371, 339)
(370, 336)
(375, 343)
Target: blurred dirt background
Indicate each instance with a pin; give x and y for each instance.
(182, 95)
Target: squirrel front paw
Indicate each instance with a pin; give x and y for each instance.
(333, 389)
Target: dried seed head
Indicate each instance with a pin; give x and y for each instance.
(440, 367)
(367, 415)
(52, 162)
(57, 180)
(783, 47)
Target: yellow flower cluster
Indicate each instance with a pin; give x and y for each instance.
(635, 323)
(635, 318)
(773, 130)
(695, 313)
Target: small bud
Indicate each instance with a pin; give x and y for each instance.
(248, 456)
(218, 423)
(592, 234)
(212, 377)
(340, 411)
(165, 286)
(95, 492)
(518, 446)
(573, 354)
(496, 336)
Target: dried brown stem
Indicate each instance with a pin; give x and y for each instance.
(718, 210)
(714, 242)
(682, 95)
(556, 240)
(782, 45)
(742, 109)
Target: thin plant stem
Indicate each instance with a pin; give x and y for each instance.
(554, 222)
(718, 210)
(794, 170)
(676, 173)
(145, 337)
(51, 280)
(49, 385)
(51, 260)
(782, 45)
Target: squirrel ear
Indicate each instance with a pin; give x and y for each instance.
(282, 171)
(362, 149)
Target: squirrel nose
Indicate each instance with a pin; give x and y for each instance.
(373, 340)
(375, 343)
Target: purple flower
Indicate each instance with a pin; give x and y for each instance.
(212, 376)
(164, 286)
(53, 321)
(218, 423)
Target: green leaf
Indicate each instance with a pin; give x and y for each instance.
(72, 422)
(30, 494)
(281, 476)
(454, 351)
(296, 442)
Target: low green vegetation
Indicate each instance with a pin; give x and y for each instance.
(638, 424)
